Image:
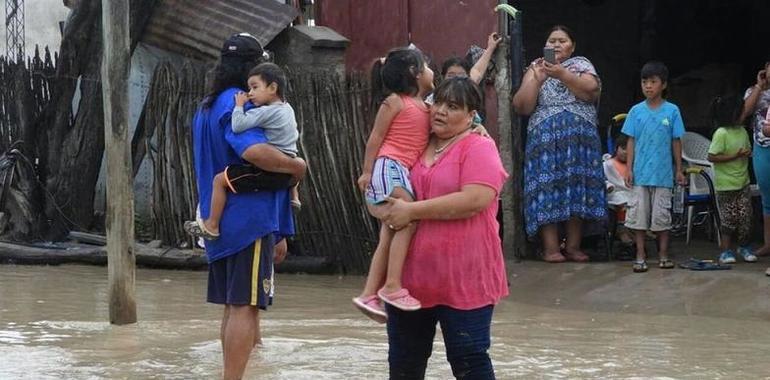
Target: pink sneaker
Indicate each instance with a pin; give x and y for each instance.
(400, 299)
(371, 306)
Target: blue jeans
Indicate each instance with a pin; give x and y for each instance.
(466, 336)
(761, 156)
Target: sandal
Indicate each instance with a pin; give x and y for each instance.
(371, 306)
(197, 228)
(700, 265)
(554, 257)
(666, 264)
(296, 204)
(400, 299)
(640, 266)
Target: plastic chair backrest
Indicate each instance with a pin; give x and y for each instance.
(695, 151)
(615, 122)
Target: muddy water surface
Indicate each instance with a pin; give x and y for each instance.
(53, 326)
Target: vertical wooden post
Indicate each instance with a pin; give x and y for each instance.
(519, 136)
(503, 89)
(120, 197)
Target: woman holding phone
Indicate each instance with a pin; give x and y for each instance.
(564, 181)
(755, 107)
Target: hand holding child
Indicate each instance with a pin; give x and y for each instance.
(399, 214)
(241, 98)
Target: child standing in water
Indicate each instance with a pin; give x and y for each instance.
(267, 86)
(654, 155)
(398, 138)
(730, 151)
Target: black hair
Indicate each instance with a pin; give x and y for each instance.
(455, 61)
(461, 91)
(655, 69)
(726, 111)
(398, 74)
(271, 73)
(230, 71)
(564, 29)
(620, 141)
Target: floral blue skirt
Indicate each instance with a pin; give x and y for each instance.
(563, 175)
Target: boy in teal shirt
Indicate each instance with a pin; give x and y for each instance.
(654, 128)
(730, 151)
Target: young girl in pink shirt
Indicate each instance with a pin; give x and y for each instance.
(399, 136)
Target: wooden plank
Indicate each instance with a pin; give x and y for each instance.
(85, 237)
(121, 262)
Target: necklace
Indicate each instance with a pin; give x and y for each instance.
(449, 142)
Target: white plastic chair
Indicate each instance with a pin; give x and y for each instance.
(695, 150)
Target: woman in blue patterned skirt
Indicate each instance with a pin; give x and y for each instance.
(563, 178)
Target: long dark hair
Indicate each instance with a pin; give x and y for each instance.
(230, 71)
(398, 74)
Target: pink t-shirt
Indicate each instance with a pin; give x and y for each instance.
(458, 263)
(408, 134)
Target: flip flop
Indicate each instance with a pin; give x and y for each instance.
(400, 299)
(196, 228)
(666, 264)
(371, 307)
(702, 265)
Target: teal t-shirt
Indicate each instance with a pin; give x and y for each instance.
(734, 174)
(653, 132)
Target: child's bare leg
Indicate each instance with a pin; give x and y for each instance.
(662, 244)
(639, 236)
(379, 264)
(257, 333)
(398, 250)
(398, 247)
(218, 199)
(727, 242)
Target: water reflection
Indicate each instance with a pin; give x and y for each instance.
(52, 326)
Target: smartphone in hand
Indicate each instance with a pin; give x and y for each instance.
(549, 55)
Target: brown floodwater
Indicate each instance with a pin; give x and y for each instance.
(53, 326)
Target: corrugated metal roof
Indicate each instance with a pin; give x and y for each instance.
(197, 28)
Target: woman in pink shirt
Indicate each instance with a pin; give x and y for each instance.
(455, 262)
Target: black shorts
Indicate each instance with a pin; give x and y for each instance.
(245, 178)
(244, 278)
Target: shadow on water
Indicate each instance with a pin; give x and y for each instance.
(52, 326)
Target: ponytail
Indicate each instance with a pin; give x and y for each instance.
(379, 91)
(397, 73)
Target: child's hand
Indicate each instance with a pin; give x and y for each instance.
(765, 128)
(480, 130)
(364, 180)
(241, 98)
(743, 152)
(629, 179)
(680, 178)
(493, 40)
